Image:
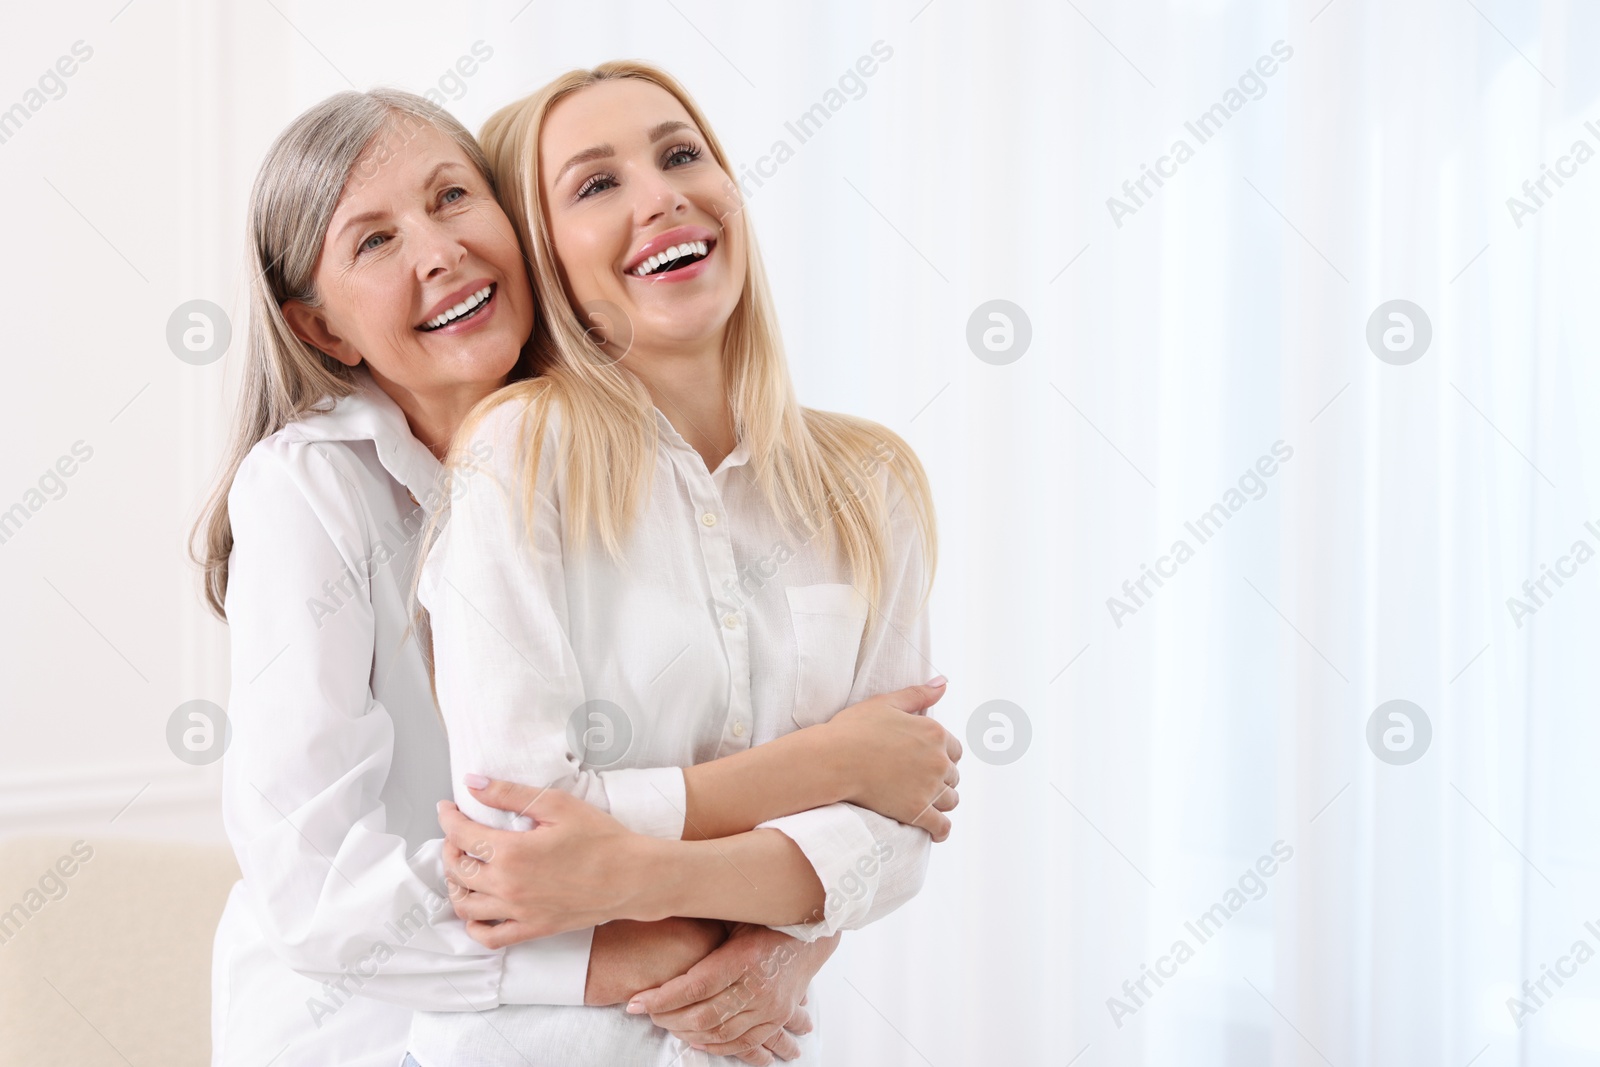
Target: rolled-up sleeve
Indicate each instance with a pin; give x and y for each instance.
(340, 898)
(507, 676)
(869, 864)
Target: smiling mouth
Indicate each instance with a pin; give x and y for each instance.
(469, 307)
(675, 258)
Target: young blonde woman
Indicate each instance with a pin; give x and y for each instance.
(373, 220)
(656, 488)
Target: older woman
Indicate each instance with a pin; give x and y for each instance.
(658, 489)
(389, 297)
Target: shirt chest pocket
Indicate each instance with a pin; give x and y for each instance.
(828, 622)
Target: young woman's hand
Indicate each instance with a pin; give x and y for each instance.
(577, 867)
(903, 763)
(744, 998)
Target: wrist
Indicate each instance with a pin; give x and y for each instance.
(657, 867)
(684, 878)
(833, 756)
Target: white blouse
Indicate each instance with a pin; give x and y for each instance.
(339, 927)
(722, 629)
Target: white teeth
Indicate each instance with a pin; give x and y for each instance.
(451, 314)
(688, 248)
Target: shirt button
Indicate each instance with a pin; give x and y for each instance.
(709, 519)
(731, 621)
(738, 729)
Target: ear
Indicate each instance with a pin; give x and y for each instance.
(309, 325)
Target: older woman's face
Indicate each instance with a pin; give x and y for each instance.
(641, 215)
(420, 274)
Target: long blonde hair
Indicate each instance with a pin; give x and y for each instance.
(293, 199)
(808, 463)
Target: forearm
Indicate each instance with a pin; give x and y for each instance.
(734, 794)
(630, 956)
(760, 876)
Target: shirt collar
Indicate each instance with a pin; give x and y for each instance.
(669, 433)
(370, 414)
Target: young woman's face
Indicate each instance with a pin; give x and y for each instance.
(417, 235)
(630, 185)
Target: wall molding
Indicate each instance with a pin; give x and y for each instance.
(118, 797)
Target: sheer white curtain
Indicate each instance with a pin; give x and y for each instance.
(1197, 354)
(1223, 723)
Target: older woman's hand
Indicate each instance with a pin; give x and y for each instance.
(744, 999)
(577, 867)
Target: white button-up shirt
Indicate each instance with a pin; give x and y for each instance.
(339, 927)
(722, 628)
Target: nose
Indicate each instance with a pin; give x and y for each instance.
(657, 197)
(438, 250)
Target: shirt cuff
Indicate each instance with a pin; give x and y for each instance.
(846, 858)
(648, 800)
(547, 970)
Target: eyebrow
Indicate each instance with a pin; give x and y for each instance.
(374, 216)
(605, 151)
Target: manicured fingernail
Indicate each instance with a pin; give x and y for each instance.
(702, 1048)
(936, 682)
(475, 781)
(439, 807)
(635, 1006)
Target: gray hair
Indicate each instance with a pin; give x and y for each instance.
(296, 191)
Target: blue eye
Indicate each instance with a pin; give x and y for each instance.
(453, 189)
(688, 154)
(597, 183)
(367, 245)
